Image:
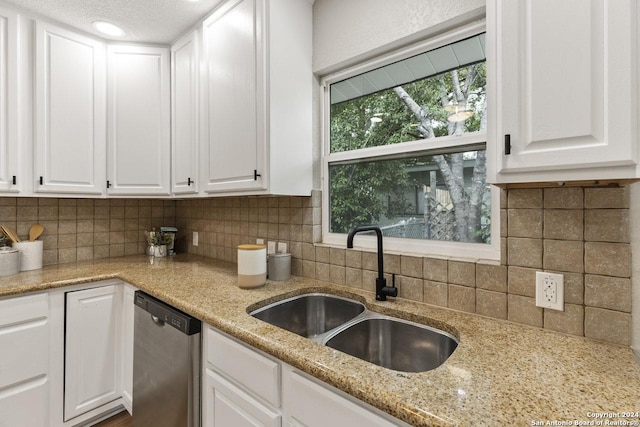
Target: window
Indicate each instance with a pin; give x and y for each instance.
(405, 149)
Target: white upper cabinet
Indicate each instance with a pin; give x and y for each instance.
(138, 117)
(8, 102)
(69, 107)
(185, 69)
(563, 89)
(258, 86)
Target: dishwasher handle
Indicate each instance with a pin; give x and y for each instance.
(158, 321)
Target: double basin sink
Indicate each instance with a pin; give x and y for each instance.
(346, 325)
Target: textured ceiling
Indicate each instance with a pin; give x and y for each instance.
(153, 21)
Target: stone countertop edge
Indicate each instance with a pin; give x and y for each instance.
(502, 373)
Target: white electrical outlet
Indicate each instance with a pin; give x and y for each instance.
(271, 248)
(550, 290)
(259, 241)
(282, 248)
(195, 238)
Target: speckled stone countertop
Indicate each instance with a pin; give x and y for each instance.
(500, 374)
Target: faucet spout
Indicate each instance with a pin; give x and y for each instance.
(382, 290)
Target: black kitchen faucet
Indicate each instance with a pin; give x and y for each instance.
(382, 290)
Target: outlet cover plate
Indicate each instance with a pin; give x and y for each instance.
(550, 290)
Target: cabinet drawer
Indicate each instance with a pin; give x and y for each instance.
(256, 373)
(24, 339)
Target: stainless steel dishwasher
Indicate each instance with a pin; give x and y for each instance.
(166, 365)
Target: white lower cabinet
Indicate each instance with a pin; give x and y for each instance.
(245, 387)
(92, 346)
(24, 361)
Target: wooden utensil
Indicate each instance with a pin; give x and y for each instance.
(10, 234)
(35, 231)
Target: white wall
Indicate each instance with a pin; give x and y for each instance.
(348, 30)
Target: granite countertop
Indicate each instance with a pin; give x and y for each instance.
(500, 374)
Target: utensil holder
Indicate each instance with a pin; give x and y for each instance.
(31, 254)
(252, 266)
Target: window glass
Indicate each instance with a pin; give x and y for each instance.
(412, 197)
(427, 191)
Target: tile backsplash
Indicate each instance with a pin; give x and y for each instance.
(581, 232)
(87, 229)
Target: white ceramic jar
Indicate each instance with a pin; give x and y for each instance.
(9, 261)
(31, 258)
(252, 266)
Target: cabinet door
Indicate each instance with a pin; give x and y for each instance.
(8, 102)
(226, 405)
(70, 112)
(24, 364)
(127, 346)
(92, 363)
(566, 93)
(138, 135)
(234, 146)
(185, 68)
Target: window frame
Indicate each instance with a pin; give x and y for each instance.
(477, 251)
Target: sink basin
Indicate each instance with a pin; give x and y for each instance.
(310, 315)
(394, 343)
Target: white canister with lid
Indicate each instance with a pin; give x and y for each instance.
(252, 266)
(31, 258)
(9, 261)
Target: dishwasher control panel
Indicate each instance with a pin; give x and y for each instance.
(162, 312)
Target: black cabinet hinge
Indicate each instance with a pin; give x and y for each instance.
(13, 180)
(507, 144)
(255, 175)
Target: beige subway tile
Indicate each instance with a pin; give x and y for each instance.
(462, 273)
(410, 288)
(573, 288)
(101, 238)
(50, 227)
(353, 277)
(613, 293)
(503, 198)
(391, 263)
(504, 223)
(27, 213)
(522, 281)
(85, 253)
(369, 261)
(84, 239)
(491, 304)
(296, 267)
(522, 198)
(436, 293)
(323, 254)
(66, 241)
(524, 252)
(504, 254)
(337, 256)
(68, 202)
(567, 224)
(353, 258)
(50, 242)
(462, 298)
(369, 280)
(67, 255)
(337, 274)
(607, 225)
(85, 226)
(272, 215)
(283, 231)
(411, 266)
(272, 231)
(323, 271)
(607, 259)
(132, 248)
(131, 236)
(100, 251)
(295, 248)
(48, 201)
(435, 269)
(8, 214)
(564, 198)
(564, 255)
(8, 201)
(607, 325)
(284, 215)
(49, 256)
(523, 310)
(116, 237)
(606, 197)
(86, 212)
(569, 321)
(45, 212)
(491, 277)
(525, 223)
(116, 224)
(116, 250)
